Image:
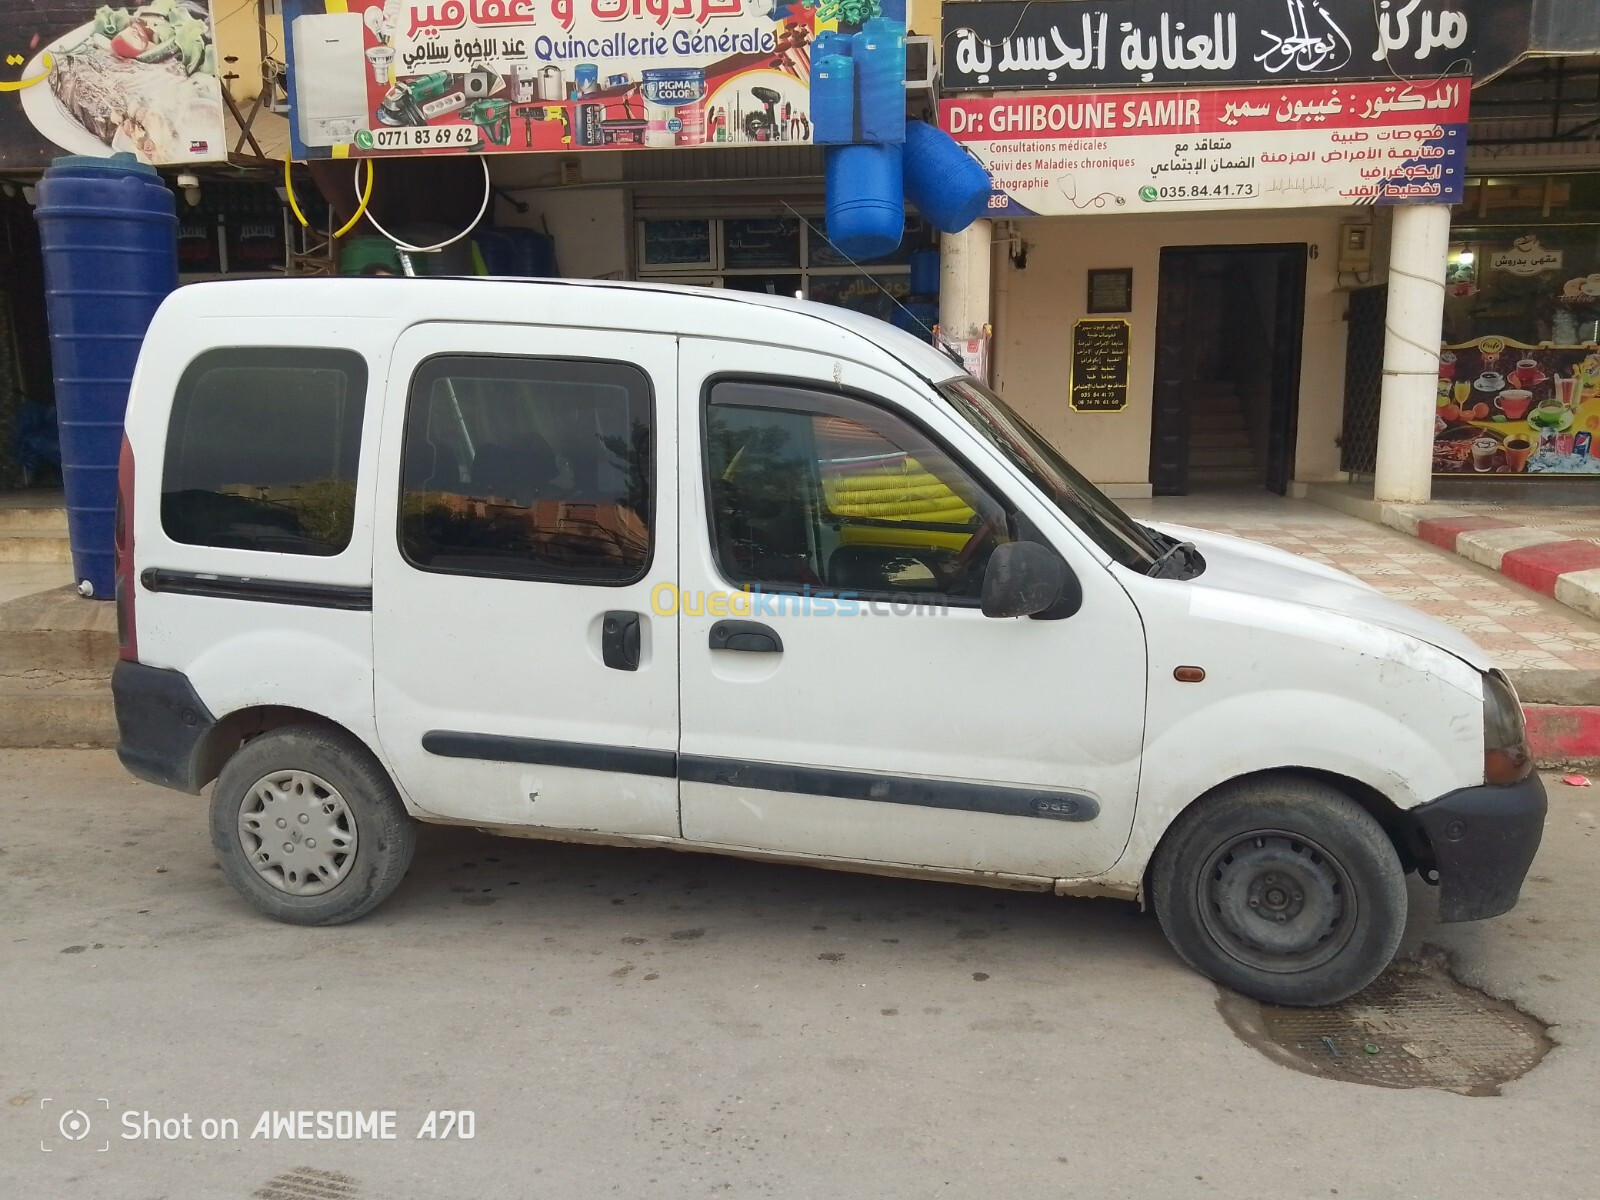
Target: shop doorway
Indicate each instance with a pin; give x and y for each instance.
(1228, 327)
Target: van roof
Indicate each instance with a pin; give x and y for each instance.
(597, 304)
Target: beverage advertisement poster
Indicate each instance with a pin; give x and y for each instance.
(1509, 408)
(95, 80)
(1237, 148)
(511, 76)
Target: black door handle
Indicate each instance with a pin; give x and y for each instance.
(619, 640)
(750, 636)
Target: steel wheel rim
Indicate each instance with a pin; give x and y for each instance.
(297, 832)
(1276, 901)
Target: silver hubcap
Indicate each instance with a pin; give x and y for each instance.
(297, 832)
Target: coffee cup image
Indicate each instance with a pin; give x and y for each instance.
(1518, 447)
(1483, 452)
(1490, 381)
(1514, 403)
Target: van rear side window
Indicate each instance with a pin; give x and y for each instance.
(528, 468)
(262, 450)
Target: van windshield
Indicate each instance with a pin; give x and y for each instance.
(1114, 531)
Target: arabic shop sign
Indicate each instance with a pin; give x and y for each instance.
(510, 76)
(1170, 151)
(1003, 45)
(1526, 258)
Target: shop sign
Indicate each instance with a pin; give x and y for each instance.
(1097, 379)
(510, 76)
(1509, 408)
(1006, 45)
(80, 78)
(1175, 151)
(1526, 258)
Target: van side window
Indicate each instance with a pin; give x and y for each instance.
(262, 450)
(528, 468)
(813, 489)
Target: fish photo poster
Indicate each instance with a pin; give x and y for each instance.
(140, 78)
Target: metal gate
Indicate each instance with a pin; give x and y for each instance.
(1363, 380)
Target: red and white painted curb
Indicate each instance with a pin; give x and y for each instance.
(1567, 569)
(1563, 568)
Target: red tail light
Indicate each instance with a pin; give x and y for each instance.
(127, 633)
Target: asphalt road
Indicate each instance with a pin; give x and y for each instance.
(643, 1024)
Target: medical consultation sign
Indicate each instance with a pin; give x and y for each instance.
(1194, 149)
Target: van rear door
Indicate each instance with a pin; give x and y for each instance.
(527, 513)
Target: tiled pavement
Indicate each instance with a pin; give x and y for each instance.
(1520, 629)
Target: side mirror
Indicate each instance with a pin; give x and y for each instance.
(1023, 579)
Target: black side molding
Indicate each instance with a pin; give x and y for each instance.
(161, 723)
(1002, 799)
(629, 760)
(347, 597)
(1005, 800)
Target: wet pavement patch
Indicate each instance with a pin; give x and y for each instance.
(1415, 1027)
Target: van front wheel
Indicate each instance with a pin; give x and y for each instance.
(308, 828)
(1281, 888)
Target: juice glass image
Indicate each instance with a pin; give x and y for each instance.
(1518, 448)
(1483, 451)
(1463, 392)
(1514, 403)
(1567, 391)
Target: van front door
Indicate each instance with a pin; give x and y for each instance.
(527, 515)
(843, 695)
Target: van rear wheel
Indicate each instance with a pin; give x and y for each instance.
(1282, 888)
(308, 827)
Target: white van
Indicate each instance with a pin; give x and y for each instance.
(670, 567)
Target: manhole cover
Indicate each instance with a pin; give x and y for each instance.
(1415, 1027)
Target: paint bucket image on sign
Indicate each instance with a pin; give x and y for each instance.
(674, 107)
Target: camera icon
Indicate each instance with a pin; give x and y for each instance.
(74, 1125)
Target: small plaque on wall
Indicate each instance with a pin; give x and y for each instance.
(1111, 291)
(1098, 375)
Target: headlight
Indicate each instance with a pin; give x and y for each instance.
(1505, 735)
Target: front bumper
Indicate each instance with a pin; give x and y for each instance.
(1481, 842)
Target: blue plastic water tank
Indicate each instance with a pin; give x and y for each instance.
(833, 100)
(880, 57)
(949, 187)
(866, 204)
(108, 229)
(925, 273)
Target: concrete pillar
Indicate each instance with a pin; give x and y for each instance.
(964, 280)
(1417, 253)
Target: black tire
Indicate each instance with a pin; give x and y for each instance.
(1281, 888)
(315, 781)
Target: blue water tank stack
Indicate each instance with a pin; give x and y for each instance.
(833, 92)
(108, 229)
(949, 187)
(866, 201)
(879, 52)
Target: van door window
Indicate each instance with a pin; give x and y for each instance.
(529, 469)
(262, 450)
(835, 494)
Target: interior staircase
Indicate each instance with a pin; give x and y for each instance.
(1221, 452)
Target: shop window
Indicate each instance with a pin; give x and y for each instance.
(819, 491)
(528, 469)
(262, 450)
(761, 243)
